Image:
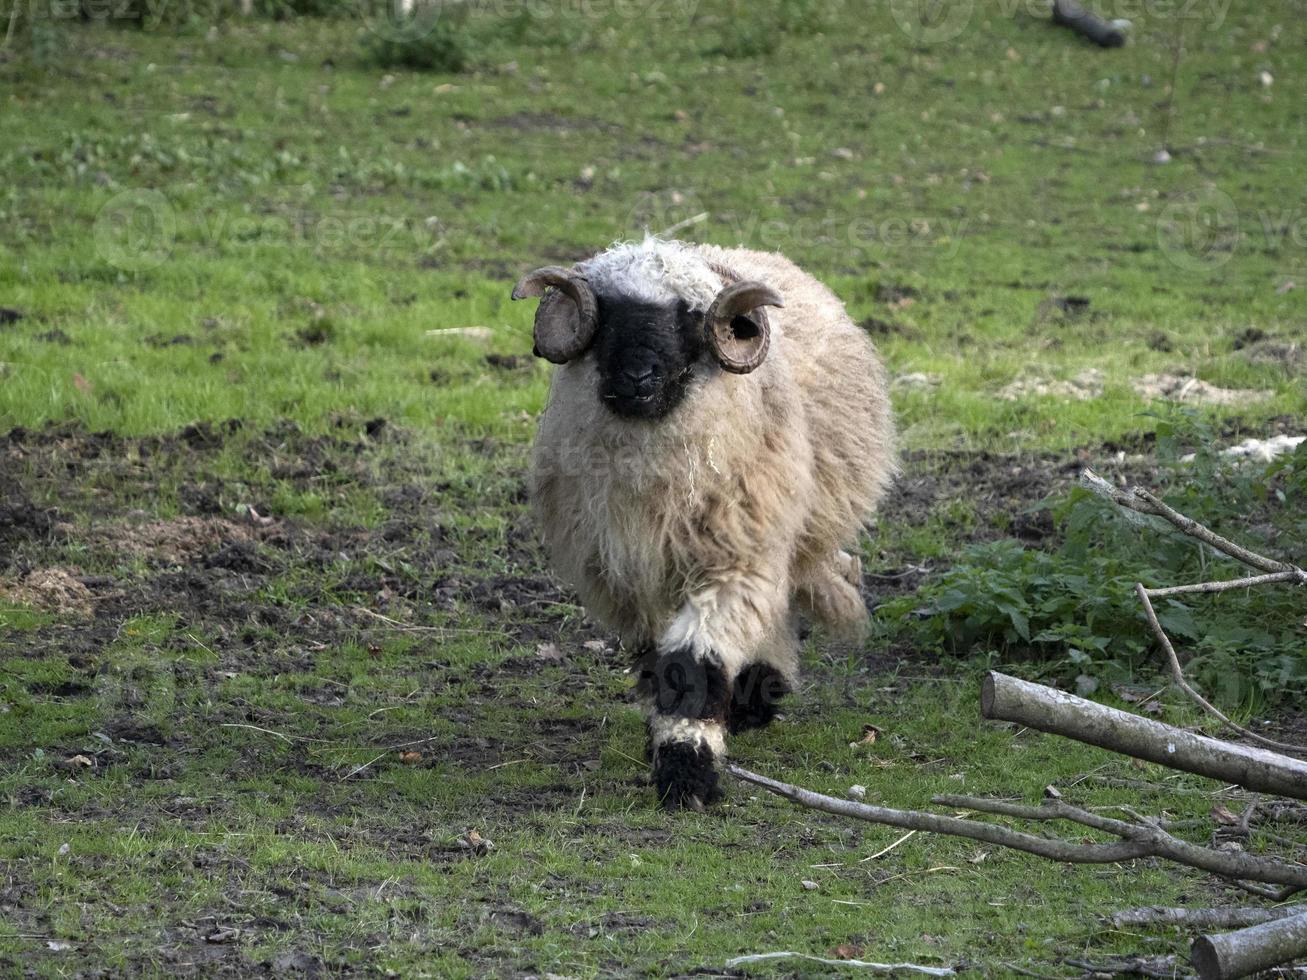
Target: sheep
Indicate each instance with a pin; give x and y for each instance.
(717, 432)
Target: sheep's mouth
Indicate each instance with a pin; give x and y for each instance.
(646, 406)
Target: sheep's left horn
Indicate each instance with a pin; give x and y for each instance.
(737, 325)
(567, 315)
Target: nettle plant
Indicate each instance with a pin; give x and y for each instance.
(1072, 609)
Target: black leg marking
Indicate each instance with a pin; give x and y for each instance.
(686, 776)
(689, 697)
(755, 697)
(684, 686)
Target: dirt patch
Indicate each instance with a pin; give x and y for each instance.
(23, 520)
(1086, 385)
(181, 539)
(1288, 354)
(549, 122)
(1190, 391)
(59, 590)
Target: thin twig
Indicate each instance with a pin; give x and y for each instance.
(1125, 966)
(885, 850)
(930, 971)
(289, 739)
(355, 772)
(399, 627)
(1266, 891)
(1142, 501)
(1052, 848)
(1177, 674)
(1238, 583)
(13, 23)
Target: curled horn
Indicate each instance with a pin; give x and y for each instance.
(737, 325)
(567, 315)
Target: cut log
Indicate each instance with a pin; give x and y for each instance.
(1229, 955)
(1069, 13)
(1005, 698)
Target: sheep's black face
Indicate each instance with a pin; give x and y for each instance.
(646, 354)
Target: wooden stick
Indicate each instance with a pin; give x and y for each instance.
(891, 968)
(1219, 918)
(1236, 583)
(1142, 502)
(1227, 864)
(1138, 840)
(1226, 956)
(1052, 848)
(1005, 698)
(1069, 13)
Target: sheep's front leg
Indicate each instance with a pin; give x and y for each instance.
(688, 683)
(686, 692)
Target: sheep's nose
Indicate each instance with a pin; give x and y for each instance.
(639, 379)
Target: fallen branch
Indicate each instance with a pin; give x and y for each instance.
(1142, 502)
(1127, 966)
(1005, 698)
(930, 971)
(1137, 840)
(1220, 918)
(1229, 955)
(1069, 13)
(1275, 572)
(1052, 848)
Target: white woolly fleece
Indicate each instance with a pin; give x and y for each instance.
(653, 271)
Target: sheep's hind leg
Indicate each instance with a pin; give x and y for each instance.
(829, 591)
(760, 685)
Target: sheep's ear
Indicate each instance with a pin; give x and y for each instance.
(738, 330)
(567, 316)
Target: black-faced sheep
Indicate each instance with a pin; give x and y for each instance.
(717, 431)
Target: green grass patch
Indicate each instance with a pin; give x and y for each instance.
(265, 398)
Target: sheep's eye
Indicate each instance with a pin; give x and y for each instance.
(744, 328)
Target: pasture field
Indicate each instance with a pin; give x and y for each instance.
(276, 635)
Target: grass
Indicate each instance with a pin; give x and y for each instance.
(251, 223)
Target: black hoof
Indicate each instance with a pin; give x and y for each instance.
(685, 776)
(755, 697)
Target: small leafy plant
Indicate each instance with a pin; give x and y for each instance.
(429, 37)
(1073, 607)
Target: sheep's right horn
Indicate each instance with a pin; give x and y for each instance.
(567, 316)
(738, 331)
